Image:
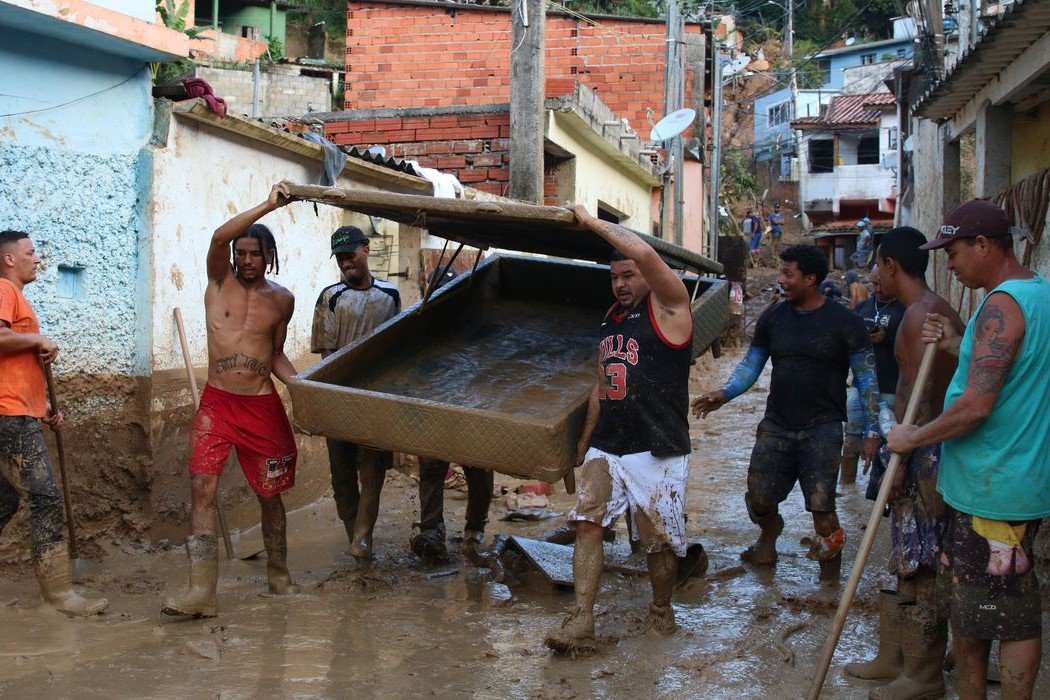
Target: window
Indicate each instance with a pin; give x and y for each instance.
(821, 156)
(891, 139)
(824, 66)
(866, 59)
(778, 114)
(868, 150)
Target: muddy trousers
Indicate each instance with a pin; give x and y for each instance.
(432, 495)
(344, 459)
(26, 473)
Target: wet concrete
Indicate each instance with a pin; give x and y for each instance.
(419, 633)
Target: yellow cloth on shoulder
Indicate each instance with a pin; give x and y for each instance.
(999, 531)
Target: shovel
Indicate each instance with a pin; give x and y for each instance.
(79, 566)
(227, 542)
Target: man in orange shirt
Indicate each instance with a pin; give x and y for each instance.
(25, 468)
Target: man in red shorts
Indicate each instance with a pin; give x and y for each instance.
(247, 317)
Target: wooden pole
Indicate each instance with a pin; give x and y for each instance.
(66, 495)
(223, 528)
(873, 528)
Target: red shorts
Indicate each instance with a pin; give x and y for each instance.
(257, 426)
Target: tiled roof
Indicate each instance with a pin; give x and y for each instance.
(849, 110)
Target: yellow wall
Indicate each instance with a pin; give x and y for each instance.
(1031, 143)
(599, 178)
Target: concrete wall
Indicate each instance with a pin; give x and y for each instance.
(1030, 143)
(75, 174)
(282, 92)
(72, 176)
(598, 178)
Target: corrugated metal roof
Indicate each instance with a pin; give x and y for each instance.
(849, 111)
(377, 158)
(1007, 37)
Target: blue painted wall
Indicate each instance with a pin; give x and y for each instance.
(853, 57)
(75, 174)
(766, 137)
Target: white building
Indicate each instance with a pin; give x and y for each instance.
(847, 160)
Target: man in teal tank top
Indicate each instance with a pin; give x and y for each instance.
(995, 459)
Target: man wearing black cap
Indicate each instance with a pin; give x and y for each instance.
(995, 434)
(346, 311)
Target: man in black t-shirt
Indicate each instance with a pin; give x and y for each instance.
(814, 344)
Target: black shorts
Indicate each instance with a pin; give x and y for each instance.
(986, 605)
(781, 457)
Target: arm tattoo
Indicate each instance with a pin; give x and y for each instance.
(863, 365)
(746, 373)
(990, 366)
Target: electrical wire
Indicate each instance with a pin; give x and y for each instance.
(74, 100)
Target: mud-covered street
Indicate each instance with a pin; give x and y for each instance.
(446, 631)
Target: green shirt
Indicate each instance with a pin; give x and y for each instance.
(1001, 470)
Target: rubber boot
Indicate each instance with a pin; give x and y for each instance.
(923, 641)
(278, 578)
(850, 456)
(661, 620)
(429, 545)
(764, 551)
(888, 661)
(371, 470)
(199, 600)
(53, 574)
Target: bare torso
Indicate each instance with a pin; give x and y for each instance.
(909, 349)
(245, 324)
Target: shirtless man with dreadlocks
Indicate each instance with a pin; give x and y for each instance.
(247, 318)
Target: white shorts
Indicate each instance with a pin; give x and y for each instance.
(652, 487)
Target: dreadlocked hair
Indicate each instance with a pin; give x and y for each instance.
(264, 235)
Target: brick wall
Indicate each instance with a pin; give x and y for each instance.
(433, 56)
(472, 146)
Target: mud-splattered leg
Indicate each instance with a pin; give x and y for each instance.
(829, 558)
(26, 473)
(342, 462)
(275, 539)
(971, 662)
(663, 567)
(1019, 662)
(428, 543)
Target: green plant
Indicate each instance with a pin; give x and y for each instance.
(174, 17)
(275, 48)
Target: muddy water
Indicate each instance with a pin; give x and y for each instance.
(445, 636)
(525, 358)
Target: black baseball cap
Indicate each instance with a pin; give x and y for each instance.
(970, 220)
(347, 238)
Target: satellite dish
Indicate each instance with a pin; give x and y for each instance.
(850, 41)
(672, 125)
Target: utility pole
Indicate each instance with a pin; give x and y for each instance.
(527, 112)
(672, 197)
(716, 161)
(794, 106)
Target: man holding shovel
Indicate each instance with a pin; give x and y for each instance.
(25, 468)
(912, 626)
(995, 435)
(247, 317)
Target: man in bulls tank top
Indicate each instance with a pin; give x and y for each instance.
(634, 452)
